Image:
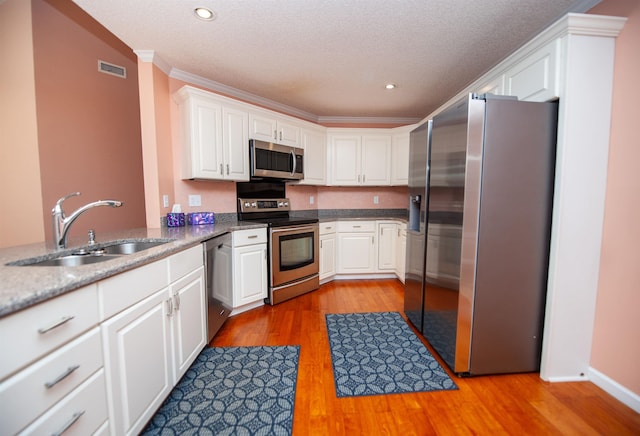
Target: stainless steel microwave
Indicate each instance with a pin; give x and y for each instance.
(275, 161)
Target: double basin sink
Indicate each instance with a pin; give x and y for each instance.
(90, 255)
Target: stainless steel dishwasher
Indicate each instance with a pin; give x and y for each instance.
(219, 281)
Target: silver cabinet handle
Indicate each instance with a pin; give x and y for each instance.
(252, 237)
(176, 301)
(69, 423)
(169, 307)
(56, 324)
(227, 169)
(221, 170)
(280, 135)
(372, 240)
(356, 227)
(61, 377)
(275, 135)
(358, 178)
(363, 177)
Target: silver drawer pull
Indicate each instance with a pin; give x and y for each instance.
(76, 416)
(356, 227)
(58, 323)
(61, 377)
(252, 237)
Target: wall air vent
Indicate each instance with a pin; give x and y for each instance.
(114, 70)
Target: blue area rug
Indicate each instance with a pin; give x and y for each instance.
(378, 353)
(232, 391)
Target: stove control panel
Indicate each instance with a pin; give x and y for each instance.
(248, 205)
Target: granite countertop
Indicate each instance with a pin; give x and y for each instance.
(24, 286)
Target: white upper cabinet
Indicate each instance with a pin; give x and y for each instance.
(535, 78)
(359, 158)
(265, 127)
(314, 143)
(400, 158)
(214, 136)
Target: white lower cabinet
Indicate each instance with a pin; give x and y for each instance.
(250, 276)
(387, 249)
(327, 250)
(356, 247)
(401, 250)
(138, 362)
(149, 346)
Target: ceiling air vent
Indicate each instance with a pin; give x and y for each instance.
(114, 70)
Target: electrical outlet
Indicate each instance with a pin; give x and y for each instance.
(311, 199)
(195, 200)
(165, 200)
(375, 199)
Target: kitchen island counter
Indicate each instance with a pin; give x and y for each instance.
(25, 286)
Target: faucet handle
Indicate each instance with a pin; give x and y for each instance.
(92, 237)
(73, 194)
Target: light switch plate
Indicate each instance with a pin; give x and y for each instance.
(165, 200)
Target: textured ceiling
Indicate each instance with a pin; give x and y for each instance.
(328, 59)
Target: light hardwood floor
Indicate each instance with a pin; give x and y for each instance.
(520, 404)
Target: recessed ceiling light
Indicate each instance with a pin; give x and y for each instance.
(390, 86)
(205, 14)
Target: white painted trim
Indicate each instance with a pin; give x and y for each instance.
(151, 56)
(364, 276)
(615, 389)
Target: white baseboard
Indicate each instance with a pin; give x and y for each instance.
(576, 378)
(615, 389)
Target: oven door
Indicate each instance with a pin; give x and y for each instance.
(294, 253)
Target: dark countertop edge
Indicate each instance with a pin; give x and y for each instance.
(25, 286)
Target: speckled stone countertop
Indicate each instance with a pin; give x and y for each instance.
(24, 286)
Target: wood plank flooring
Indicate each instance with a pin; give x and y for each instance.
(520, 404)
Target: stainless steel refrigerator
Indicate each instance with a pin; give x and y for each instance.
(480, 197)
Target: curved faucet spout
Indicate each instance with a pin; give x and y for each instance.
(62, 223)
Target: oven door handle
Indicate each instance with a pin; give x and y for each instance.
(294, 229)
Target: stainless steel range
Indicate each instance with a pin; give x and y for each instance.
(293, 242)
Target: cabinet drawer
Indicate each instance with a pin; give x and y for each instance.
(327, 228)
(356, 226)
(119, 292)
(183, 263)
(82, 412)
(27, 335)
(249, 237)
(38, 387)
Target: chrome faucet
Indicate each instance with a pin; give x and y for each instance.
(62, 223)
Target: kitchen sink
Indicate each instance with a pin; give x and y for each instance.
(91, 254)
(130, 247)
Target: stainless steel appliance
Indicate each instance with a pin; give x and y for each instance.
(293, 241)
(480, 198)
(218, 280)
(275, 161)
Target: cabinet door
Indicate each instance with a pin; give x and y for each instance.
(345, 160)
(400, 159)
(356, 252)
(327, 255)
(137, 351)
(387, 235)
(376, 155)
(288, 134)
(315, 157)
(203, 142)
(534, 79)
(189, 320)
(235, 144)
(249, 274)
(262, 127)
(401, 253)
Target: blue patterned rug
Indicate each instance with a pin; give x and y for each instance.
(378, 353)
(232, 391)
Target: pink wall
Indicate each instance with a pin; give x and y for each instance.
(88, 122)
(21, 195)
(616, 338)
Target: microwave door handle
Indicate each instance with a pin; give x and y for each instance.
(293, 156)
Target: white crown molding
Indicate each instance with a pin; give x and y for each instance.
(151, 56)
(367, 120)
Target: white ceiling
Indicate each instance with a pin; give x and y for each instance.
(328, 60)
